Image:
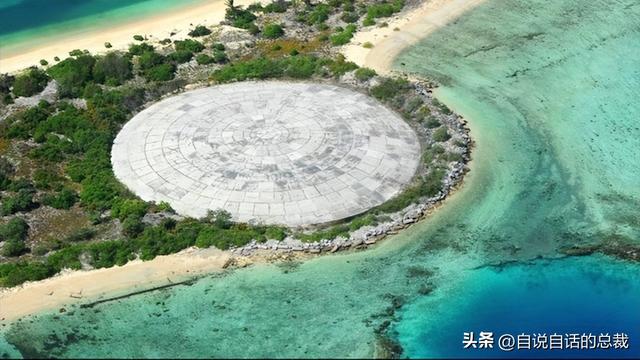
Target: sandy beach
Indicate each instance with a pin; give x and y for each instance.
(404, 30)
(155, 28)
(84, 286)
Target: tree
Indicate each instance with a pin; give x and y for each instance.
(30, 82)
(15, 229)
(112, 69)
(72, 74)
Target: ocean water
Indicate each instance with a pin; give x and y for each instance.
(27, 23)
(550, 90)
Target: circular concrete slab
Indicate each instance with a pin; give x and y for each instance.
(273, 152)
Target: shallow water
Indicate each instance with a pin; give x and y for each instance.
(27, 23)
(551, 92)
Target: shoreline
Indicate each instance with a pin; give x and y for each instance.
(413, 25)
(156, 27)
(75, 287)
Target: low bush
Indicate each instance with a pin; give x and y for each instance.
(441, 134)
(344, 36)
(188, 44)
(364, 74)
(204, 59)
(30, 82)
(138, 37)
(272, 31)
(199, 30)
(389, 88)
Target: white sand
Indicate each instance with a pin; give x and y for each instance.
(82, 286)
(155, 28)
(413, 26)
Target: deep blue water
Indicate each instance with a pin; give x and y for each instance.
(17, 15)
(574, 295)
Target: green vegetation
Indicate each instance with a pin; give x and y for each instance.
(381, 10)
(58, 156)
(272, 31)
(441, 134)
(112, 69)
(199, 30)
(13, 235)
(389, 88)
(237, 17)
(189, 45)
(44, 62)
(30, 82)
(364, 74)
(180, 56)
(108, 45)
(138, 37)
(343, 36)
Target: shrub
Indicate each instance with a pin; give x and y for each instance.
(99, 191)
(278, 6)
(82, 234)
(108, 45)
(218, 46)
(150, 59)
(189, 45)
(72, 74)
(294, 52)
(13, 248)
(22, 201)
(344, 36)
(56, 58)
(275, 233)
(6, 82)
(16, 229)
(272, 31)
(350, 17)
(441, 134)
(339, 66)
(367, 45)
(132, 226)
(364, 74)
(162, 72)
(220, 218)
(139, 49)
(389, 88)
(109, 253)
(319, 14)
(199, 30)
(204, 59)
(368, 22)
(44, 62)
(77, 52)
(46, 179)
(30, 82)
(138, 37)
(432, 122)
(238, 17)
(12, 274)
(6, 172)
(65, 199)
(181, 56)
(220, 57)
(112, 69)
(124, 208)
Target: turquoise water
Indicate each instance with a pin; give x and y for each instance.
(27, 23)
(550, 90)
